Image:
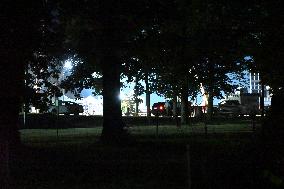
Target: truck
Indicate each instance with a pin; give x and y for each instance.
(66, 108)
(239, 104)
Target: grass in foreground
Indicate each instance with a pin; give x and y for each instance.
(75, 159)
(90, 135)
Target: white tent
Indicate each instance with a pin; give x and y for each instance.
(92, 105)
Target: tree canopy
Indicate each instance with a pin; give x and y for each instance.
(178, 43)
(174, 46)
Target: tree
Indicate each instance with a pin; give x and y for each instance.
(20, 37)
(217, 37)
(141, 61)
(41, 76)
(199, 45)
(173, 76)
(264, 40)
(100, 32)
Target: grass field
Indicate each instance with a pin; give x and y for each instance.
(40, 136)
(226, 157)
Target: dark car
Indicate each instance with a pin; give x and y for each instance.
(159, 109)
(230, 108)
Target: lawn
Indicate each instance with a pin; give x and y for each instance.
(89, 135)
(225, 157)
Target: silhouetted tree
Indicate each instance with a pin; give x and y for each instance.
(101, 33)
(21, 36)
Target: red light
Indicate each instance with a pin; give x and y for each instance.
(161, 107)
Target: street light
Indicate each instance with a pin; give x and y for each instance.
(68, 64)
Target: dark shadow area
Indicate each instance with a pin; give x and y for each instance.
(217, 161)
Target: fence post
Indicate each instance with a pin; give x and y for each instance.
(188, 167)
(205, 125)
(253, 122)
(157, 125)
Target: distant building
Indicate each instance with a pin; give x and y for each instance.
(255, 87)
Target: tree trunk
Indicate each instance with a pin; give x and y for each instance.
(113, 126)
(11, 83)
(175, 113)
(210, 90)
(136, 107)
(210, 105)
(136, 97)
(184, 106)
(148, 96)
(9, 138)
(4, 162)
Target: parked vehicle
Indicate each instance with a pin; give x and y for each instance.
(166, 108)
(242, 104)
(159, 109)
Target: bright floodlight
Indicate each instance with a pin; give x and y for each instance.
(68, 64)
(121, 96)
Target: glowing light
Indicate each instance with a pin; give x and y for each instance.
(68, 64)
(121, 96)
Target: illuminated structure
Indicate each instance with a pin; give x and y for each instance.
(204, 102)
(255, 87)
